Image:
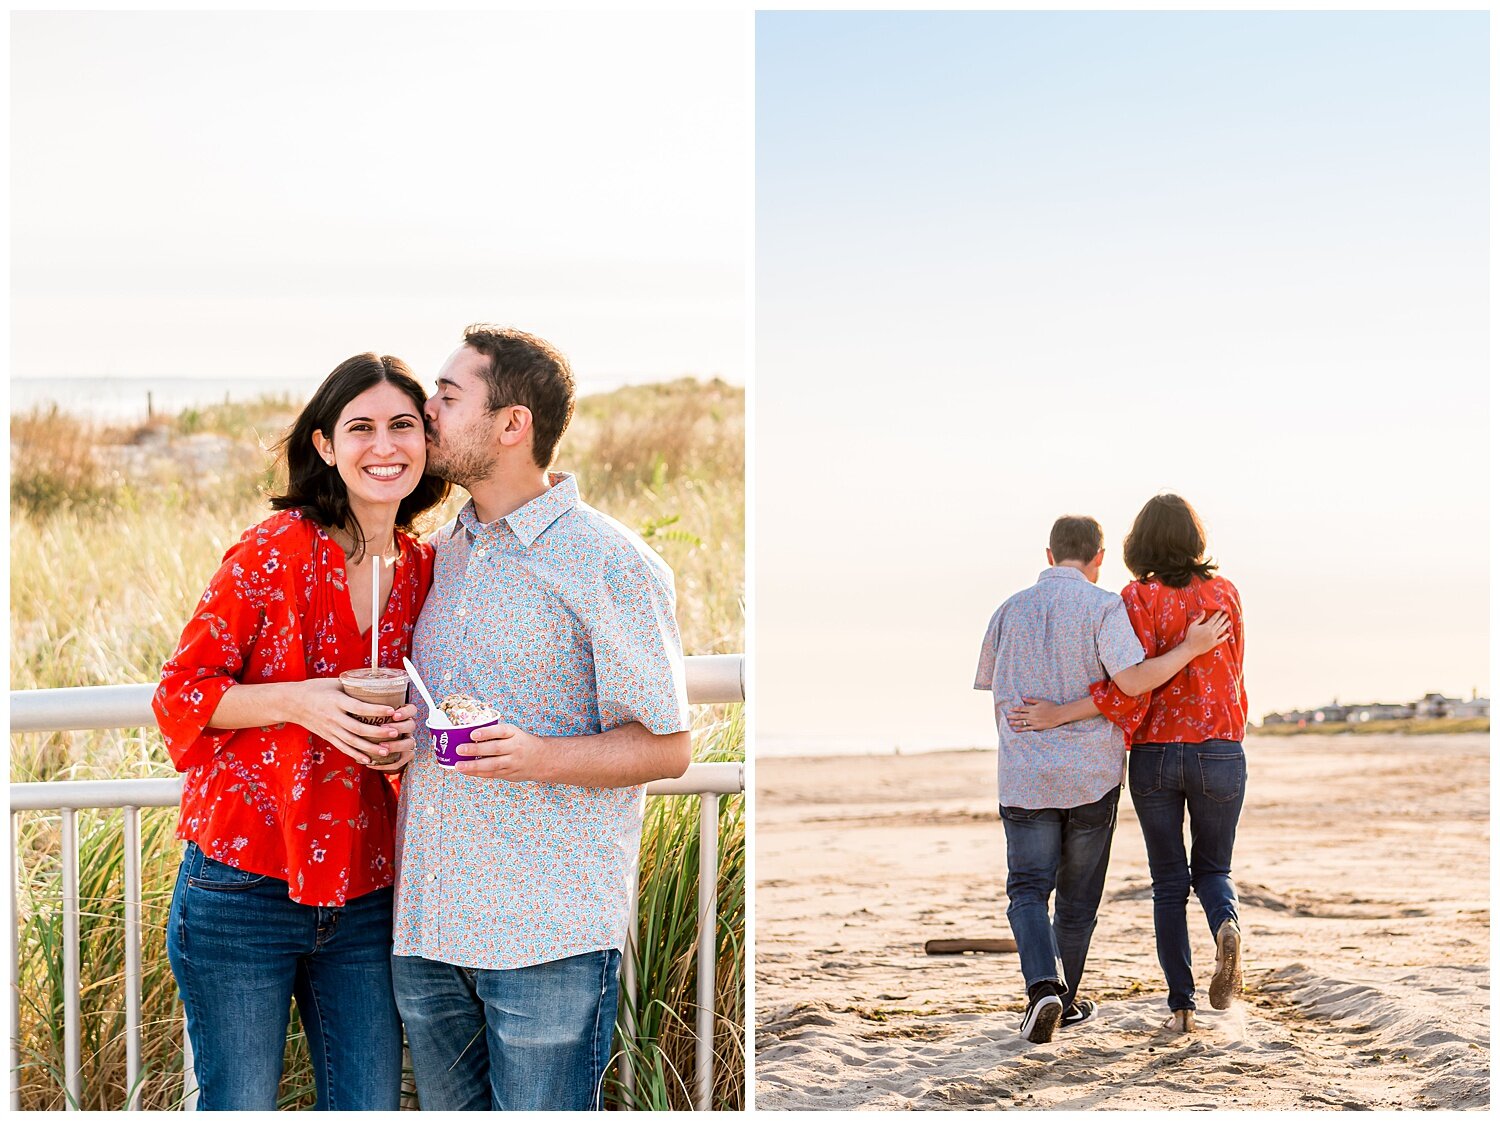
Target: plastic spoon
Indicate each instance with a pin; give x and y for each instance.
(416, 679)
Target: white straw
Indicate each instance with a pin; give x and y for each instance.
(416, 679)
(375, 613)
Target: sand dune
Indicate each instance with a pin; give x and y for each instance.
(1363, 868)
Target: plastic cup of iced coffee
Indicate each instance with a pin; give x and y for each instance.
(378, 687)
(457, 717)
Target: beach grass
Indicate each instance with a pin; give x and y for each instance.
(661, 1052)
(115, 531)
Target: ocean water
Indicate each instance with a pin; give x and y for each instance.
(121, 399)
(125, 399)
(783, 747)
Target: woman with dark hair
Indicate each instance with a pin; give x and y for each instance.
(289, 799)
(1186, 753)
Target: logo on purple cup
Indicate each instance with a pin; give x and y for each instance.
(446, 740)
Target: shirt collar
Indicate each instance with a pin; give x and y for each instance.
(1062, 572)
(531, 520)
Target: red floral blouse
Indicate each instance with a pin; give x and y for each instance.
(1206, 699)
(277, 800)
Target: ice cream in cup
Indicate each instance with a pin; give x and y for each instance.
(454, 721)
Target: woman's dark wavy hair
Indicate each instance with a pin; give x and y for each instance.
(314, 487)
(1167, 543)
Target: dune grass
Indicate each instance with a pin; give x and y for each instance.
(664, 1009)
(115, 531)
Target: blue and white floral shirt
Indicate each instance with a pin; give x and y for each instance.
(563, 619)
(1051, 641)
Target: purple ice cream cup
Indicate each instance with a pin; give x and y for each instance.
(446, 738)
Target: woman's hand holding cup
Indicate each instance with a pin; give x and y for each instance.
(321, 706)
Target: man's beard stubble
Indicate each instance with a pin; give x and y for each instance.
(460, 466)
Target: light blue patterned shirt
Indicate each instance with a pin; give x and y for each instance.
(1051, 641)
(564, 620)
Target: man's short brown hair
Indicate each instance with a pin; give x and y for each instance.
(526, 370)
(1076, 538)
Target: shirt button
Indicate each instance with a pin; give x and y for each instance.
(461, 612)
(479, 552)
(432, 878)
(428, 810)
(448, 676)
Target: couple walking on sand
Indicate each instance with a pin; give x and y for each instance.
(1079, 676)
(484, 905)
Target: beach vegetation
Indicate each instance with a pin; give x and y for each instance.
(1443, 726)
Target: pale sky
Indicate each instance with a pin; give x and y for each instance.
(1015, 265)
(249, 194)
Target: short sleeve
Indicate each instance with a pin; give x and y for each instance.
(1119, 707)
(209, 659)
(1119, 648)
(984, 672)
(638, 670)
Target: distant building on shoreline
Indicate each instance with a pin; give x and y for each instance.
(1433, 706)
(1467, 710)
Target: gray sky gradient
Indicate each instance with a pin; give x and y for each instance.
(248, 194)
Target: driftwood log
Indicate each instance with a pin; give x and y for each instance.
(971, 946)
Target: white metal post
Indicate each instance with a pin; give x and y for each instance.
(72, 1066)
(132, 828)
(708, 937)
(15, 965)
(189, 1073)
(628, 994)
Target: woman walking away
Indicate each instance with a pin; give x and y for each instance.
(1186, 753)
(289, 800)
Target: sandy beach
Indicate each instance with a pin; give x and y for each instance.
(1363, 870)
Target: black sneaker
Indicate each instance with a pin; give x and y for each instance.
(1078, 1012)
(1041, 1019)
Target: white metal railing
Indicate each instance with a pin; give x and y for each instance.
(711, 679)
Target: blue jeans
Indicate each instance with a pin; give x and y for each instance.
(242, 952)
(532, 1038)
(1066, 851)
(1208, 780)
